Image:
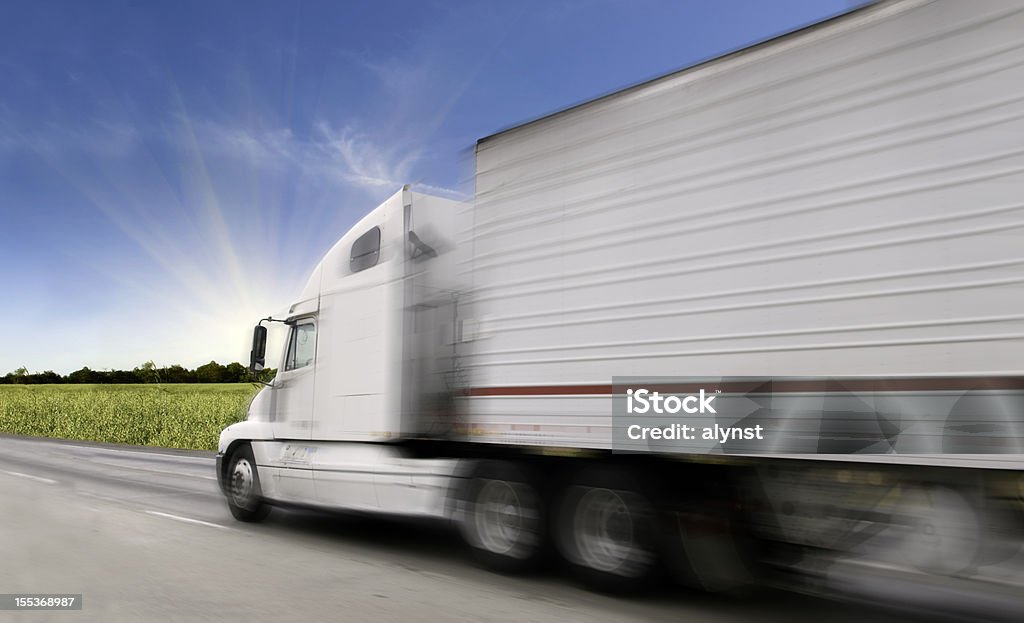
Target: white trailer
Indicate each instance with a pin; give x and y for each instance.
(838, 209)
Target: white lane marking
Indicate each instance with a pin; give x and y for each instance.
(187, 519)
(31, 477)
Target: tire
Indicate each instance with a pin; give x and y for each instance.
(607, 529)
(934, 529)
(503, 517)
(244, 495)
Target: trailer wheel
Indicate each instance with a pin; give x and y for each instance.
(934, 529)
(245, 498)
(503, 517)
(608, 530)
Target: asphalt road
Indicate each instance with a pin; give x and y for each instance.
(144, 535)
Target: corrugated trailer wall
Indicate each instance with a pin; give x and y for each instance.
(844, 201)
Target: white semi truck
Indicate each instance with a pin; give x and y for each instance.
(828, 226)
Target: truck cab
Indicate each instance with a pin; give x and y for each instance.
(363, 367)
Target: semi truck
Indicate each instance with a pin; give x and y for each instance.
(822, 234)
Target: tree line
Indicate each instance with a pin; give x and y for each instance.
(148, 372)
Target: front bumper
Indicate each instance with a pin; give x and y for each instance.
(220, 473)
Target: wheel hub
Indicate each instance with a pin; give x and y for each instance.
(498, 519)
(242, 482)
(605, 530)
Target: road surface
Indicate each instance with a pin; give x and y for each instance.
(145, 535)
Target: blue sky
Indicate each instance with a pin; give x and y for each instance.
(170, 172)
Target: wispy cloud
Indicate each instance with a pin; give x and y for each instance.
(362, 162)
(344, 155)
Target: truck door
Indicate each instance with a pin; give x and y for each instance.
(293, 415)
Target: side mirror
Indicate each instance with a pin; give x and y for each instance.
(258, 354)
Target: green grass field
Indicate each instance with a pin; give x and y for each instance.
(170, 415)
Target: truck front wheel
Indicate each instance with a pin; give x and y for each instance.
(503, 517)
(245, 498)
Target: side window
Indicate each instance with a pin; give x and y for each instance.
(301, 346)
(365, 251)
